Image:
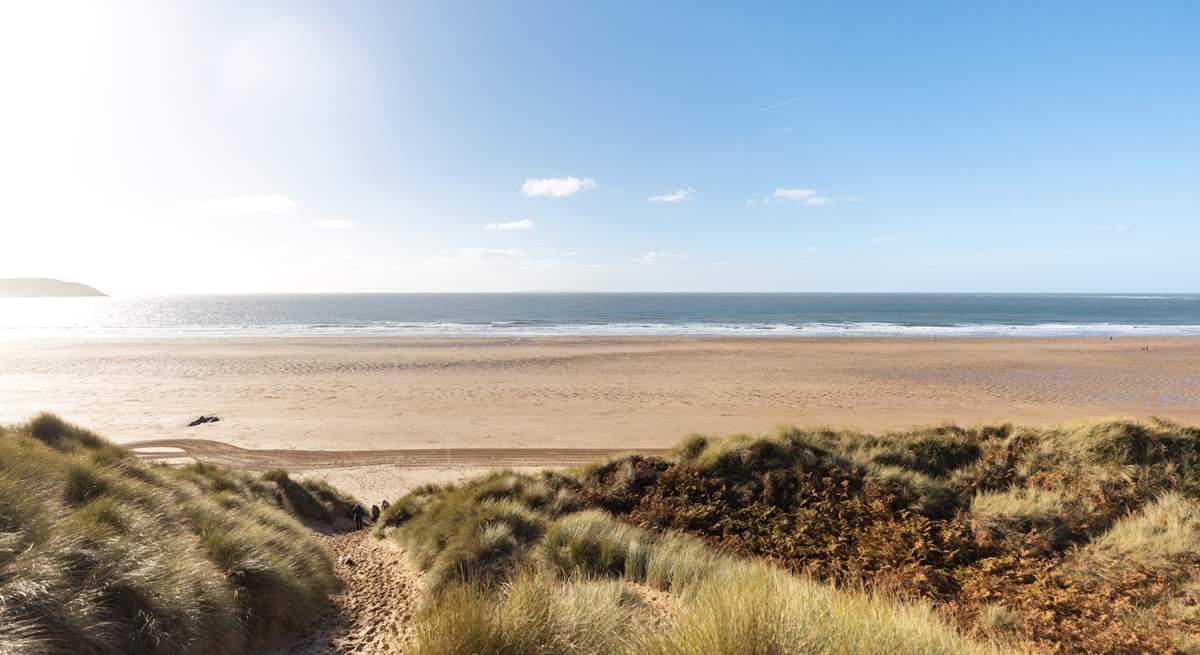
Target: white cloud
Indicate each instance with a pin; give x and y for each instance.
(523, 224)
(809, 197)
(252, 204)
(545, 263)
(657, 257)
(556, 187)
(489, 254)
(673, 197)
(333, 223)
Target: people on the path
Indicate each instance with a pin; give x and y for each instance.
(374, 513)
(385, 504)
(358, 513)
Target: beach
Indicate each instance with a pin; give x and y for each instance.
(549, 394)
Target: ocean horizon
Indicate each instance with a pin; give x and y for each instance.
(607, 314)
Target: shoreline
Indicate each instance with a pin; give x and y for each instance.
(161, 339)
(918, 332)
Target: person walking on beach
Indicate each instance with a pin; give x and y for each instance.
(358, 513)
(374, 513)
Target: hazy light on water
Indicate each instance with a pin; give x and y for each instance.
(602, 314)
(28, 316)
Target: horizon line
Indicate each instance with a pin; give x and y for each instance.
(633, 292)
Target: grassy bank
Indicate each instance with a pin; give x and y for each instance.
(102, 554)
(581, 587)
(1080, 538)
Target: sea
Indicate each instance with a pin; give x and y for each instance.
(606, 314)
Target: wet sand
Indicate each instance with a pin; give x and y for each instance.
(549, 394)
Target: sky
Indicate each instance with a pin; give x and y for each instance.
(253, 147)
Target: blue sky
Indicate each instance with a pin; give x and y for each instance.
(253, 147)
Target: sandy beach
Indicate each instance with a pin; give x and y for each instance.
(542, 395)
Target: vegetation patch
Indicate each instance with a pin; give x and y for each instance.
(100, 553)
(510, 557)
(1073, 539)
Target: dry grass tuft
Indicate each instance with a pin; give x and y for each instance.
(101, 554)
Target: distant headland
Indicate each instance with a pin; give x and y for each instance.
(43, 287)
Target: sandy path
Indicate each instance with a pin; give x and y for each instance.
(371, 613)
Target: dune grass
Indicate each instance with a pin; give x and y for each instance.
(1153, 554)
(509, 562)
(1018, 511)
(532, 614)
(1164, 531)
(472, 533)
(100, 553)
(757, 610)
(1078, 538)
(564, 595)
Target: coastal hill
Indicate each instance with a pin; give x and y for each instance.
(43, 287)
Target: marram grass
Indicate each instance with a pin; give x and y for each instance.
(102, 554)
(1078, 538)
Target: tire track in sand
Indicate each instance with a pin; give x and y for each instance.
(217, 452)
